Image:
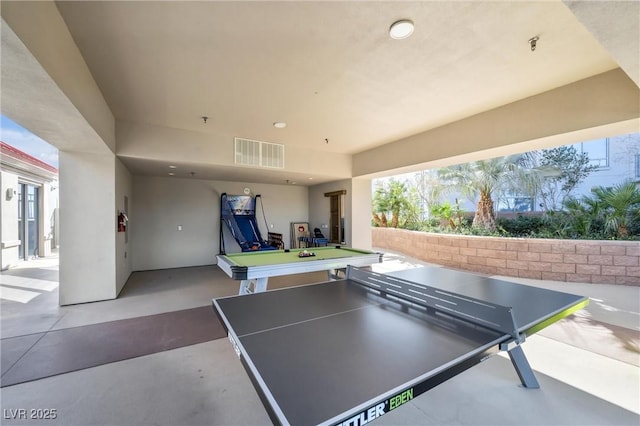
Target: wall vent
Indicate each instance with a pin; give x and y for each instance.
(249, 152)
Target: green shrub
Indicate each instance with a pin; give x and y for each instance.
(521, 226)
(611, 213)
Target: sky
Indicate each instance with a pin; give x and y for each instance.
(19, 137)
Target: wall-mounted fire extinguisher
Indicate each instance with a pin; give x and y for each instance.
(122, 222)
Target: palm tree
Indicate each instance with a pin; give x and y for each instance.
(394, 200)
(584, 212)
(482, 178)
(621, 204)
(485, 178)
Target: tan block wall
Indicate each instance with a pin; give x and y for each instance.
(603, 262)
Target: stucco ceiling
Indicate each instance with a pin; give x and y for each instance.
(327, 69)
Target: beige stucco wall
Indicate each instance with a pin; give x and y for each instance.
(360, 204)
(47, 88)
(199, 148)
(319, 207)
(87, 227)
(161, 204)
(599, 106)
(603, 262)
(357, 202)
(123, 188)
(70, 113)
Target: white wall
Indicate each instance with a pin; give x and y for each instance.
(8, 221)
(124, 188)
(87, 227)
(47, 201)
(161, 204)
(45, 230)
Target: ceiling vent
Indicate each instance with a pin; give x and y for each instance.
(258, 154)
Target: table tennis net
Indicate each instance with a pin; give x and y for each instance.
(490, 315)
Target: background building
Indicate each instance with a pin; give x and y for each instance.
(29, 207)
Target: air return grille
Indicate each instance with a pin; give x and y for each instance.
(259, 154)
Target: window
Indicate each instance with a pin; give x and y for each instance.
(515, 204)
(597, 150)
(637, 165)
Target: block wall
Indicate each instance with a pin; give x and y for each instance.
(603, 262)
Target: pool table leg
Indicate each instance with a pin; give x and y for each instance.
(337, 274)
(255, 285)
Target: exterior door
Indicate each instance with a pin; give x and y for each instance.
(336, 216)
(336, 235)
(28, 219)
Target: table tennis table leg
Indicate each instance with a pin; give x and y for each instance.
(255, 285)
(520, 363)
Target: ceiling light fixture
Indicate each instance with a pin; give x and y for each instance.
(204, 119)
(279, 125)
(173, 167)
(533, 41)
(401, 29)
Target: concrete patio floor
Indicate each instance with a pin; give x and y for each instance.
(587, 365)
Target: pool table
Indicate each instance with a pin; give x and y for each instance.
(253, 269)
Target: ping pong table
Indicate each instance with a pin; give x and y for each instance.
(346, 352)
(253, 269)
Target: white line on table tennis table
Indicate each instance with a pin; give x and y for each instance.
(371, 305)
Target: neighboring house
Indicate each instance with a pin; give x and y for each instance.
(29, 192)
(617, 158)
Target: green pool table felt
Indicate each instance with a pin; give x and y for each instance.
(278, 257)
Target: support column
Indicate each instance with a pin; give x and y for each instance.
(87, 227)
(360, 199)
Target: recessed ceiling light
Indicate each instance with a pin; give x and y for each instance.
(172, 167)
(279, 125)
(401, 29)
(171, 174)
